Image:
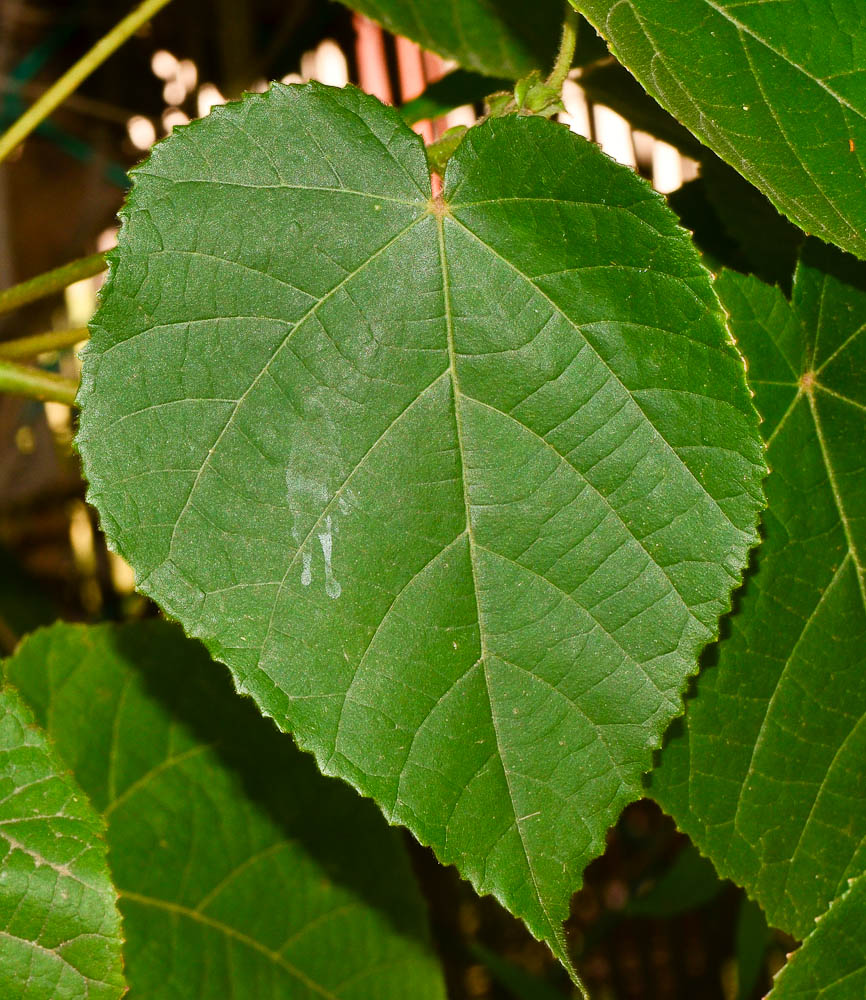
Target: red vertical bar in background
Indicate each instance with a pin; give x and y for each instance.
(413, 80)
(372, 63)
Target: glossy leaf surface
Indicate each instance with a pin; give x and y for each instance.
(59, 925)
(777, 89)
(242, 872)
(495, 37)
(457, 488)
(831, 964)
(767, 774)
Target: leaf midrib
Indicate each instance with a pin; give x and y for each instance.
(555, 927)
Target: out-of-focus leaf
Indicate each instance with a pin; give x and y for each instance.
(24, 605)
(60, 933)
(495, 37)
(518, 983)
(241, 871)
(752, 939)
(690, 882)
(452, 91)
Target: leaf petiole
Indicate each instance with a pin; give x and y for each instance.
(21, 380)
(40, 343)
(51, 281)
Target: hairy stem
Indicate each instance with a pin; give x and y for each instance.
(39, 343)
(37, 384)
(71, 79)
(51, 281)
(565, 55)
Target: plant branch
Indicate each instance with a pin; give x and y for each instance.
(19, 380)
(39, 343)
(58, 92)
(51, 281)
(565, 55)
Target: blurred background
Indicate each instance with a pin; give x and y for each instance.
(653, 920)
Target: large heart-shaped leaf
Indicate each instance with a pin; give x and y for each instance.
(59, 924)
(767, 774)
(831, 965)
(491, 36)
(458, 488)
(242, 872)
(778, 90)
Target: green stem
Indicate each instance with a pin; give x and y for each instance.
(51, 281)
(37, 384)
(39, 343)
(71, 79)
(565, 56)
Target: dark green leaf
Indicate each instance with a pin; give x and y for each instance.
(242, 872)
(767, 243)
(457, 488)
(751, 940)
(496, 37)
(516, 981)
(767, 774)
(59, 925)
(776, 89)
(735, 226)
(452, 91)
(831, 965)
(690, 882)
(24, 605)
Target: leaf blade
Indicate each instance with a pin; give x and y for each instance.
(250, 878)
(359, 513)
(495, 39)
(831, 962)
(746, 81)
(60, 933)
(791, 737)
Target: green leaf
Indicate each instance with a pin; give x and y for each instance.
(495, 37)
(457, 88)
(768, 244)
(749, 80)
(515, 980)
(607, 82)
(690, 882)
(766, 775)
(242, 872)
(831, 965)
(457, 488)
(735, 226)
(59, 925)
(751, 941)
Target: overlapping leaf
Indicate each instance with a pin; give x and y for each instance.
(831, 965)
(777, 89)
(59, 924)
(495, 37)
(458, 488)
(242, 872)
(767, 774)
